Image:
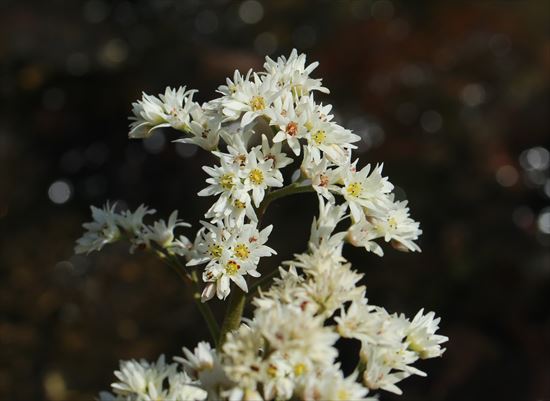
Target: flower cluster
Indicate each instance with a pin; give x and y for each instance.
(230, 254)
(108, 226)
(288, 349)
(260, 124)
(153, 381)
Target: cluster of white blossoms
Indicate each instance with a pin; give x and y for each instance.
(261, 123)
(110, 226)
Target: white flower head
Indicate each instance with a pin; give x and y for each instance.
(293, 74)
(260, 175)
(267, 152)
(204, 128)
(422, 338)
(169, 110)
(363, 190)
(251, 97)
(162, 232)
(101, 231)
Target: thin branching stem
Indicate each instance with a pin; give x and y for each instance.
(191, 280)
(235, 308)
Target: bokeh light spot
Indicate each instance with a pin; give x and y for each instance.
(155, 143)
(251, 12)
(543, 221)
(265, 43)
(431, 121)
(537, 158)
(113, 53)
(473, 95)
(507, 176)
(60, 192)
(186, 150)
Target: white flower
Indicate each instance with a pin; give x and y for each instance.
(378, 374)
(422, 338)
(142, 378)
(235, 209)
(331, 385)
(201, 358)
(290, 122)
(143, 381)
(288, 330)
(323, 226)
(248, 245)
(251, 96)
(391, 222)
(102, 230)
(182, 388)
(320, 175)
(293, 74)
(327, 136)
(237, 147)
(169, 110)
(259, 176)
(162, 232)
(132, 222)
(362, 190)
(211, 243)
(204, 365)
(273, 153)
(363, 234)
(224, 180)
(236, 256)
(242, 358)
(287, 289)
(357, 321)
(225, 270)
(204, 128)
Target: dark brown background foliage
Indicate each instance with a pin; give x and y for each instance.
(454, 98)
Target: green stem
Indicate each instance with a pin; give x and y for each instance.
(294, 188)
(233, 314)
(192, 280)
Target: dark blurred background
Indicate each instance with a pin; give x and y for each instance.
(454, 98)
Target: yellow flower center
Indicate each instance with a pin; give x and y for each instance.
(239, 205)
(242, 251)
(226, 181)
(392, 223)
(257, 103)
(272, 370)
(319, 137)
(354, 189)
(215, 250)
(256, 176)
(343, 394)
(232, 267)
(299, 369)
(308, 125)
